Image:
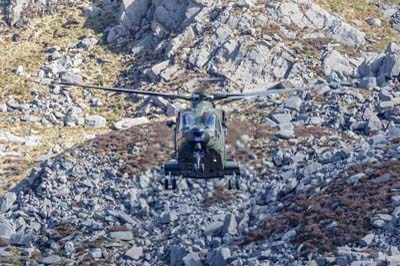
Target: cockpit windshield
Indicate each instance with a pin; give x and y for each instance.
(188, 119)
(209, 119)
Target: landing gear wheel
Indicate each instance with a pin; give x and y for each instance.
(166, 184)
(237, 181)
(174, 185)
(230, 184)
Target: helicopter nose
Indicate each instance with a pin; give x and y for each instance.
(198, 135)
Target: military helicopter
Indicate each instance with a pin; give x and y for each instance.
(199, 132)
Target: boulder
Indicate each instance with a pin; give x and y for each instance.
(374, 125)
(130, 122)
(218, 257)
(192, 259)
(176, 255)
(230, 225)
(367, 240)
(7, 201)
(293, 103)
(95, 121)
(309, 17)
(53, 259)
(7, 229)
(122, 235)
(74, 117)
(336, 67)
(134, 253)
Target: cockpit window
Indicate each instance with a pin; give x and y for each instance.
(209, 119)
(188, 119)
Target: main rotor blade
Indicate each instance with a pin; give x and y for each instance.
(255, 93)
(164, 95)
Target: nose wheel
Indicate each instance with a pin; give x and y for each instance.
(234, 182)
(170, 180)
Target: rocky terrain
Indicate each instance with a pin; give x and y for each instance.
(80, 174)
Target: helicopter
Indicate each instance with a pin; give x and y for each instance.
(199, 132)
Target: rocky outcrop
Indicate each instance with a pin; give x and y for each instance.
(371, 70)
(18, 11)
(382, 67)
(240, 41)
(314, 21)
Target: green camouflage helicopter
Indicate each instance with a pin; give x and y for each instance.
(199, 132)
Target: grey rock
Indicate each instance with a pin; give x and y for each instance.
(368, 83)
(192, 259)
(374, 22)
(381, 220)
(331, 225)
(395, 201)
(168, 217)
(394, 260)
(374, 125)
(382, 178)
(87, 43)
(96, 253)
(389, 12)
(213, 228)
(71, 76)
(3, 108)
(382, 67)
(133, 12)
(122, 235)
(218, 257)
(92, 12)
(17, 106)
(74, 117)
(379, 256)
(53, 259)
(146, 44)
(116, 32)
(230, 225)
(7, 229)
(69, 247)
(293, 103)
(21, 240)
(307, 15)
(134, 253)
(95, 121)
(282, 118)
(176, 255)
(286, 134)
(336, 67)
(385, 95)
(130, 122)
(19, 71)
(367, 240)
(124, 217)
(95, 102)
(7, 201)
(288, 235)
(355, 178)
(4, 253)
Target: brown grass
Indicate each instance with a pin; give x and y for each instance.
(220, 196)
(62, 230)
(362, 10)
(350, 206)
(155, 143)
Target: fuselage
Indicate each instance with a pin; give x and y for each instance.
(200, 140)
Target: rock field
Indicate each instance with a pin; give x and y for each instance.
(80, 174)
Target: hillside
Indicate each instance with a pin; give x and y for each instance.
(80, 170)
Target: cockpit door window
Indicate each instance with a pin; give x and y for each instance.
(209, 119)
(188, 120)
